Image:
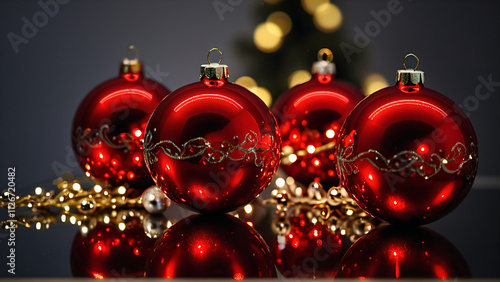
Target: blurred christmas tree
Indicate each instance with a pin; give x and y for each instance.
(286, 39)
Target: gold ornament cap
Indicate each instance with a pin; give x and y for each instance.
(324, 65)
(410, 77)
(214, 71)
(131, 65)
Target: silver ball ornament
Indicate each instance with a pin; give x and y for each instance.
(154, 200)
(154, 225)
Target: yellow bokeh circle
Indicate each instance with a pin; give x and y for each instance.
(282, 20)
(268, 37)
(298, 77)
(327, 18)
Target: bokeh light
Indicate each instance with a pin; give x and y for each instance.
(327, 18)
(268, 37)
(265, 95)
(311, 5)
(298, 77)
(246, 82)
(250, 84)
(282, 20)
(373, 82)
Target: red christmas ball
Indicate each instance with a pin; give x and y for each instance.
(212, 145)
(407, 154)
(106, 251)
(401, 252)
(308, 250)
(109, 126)
(310, 116)
(210, 246)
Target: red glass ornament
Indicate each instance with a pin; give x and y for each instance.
(308, 250)
(106, 251)
(210, 246)
(407, 153)
(109, 126)
(401, 252)
(212, 145)
(310, 116)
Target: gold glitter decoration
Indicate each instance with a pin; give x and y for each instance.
(333, 208)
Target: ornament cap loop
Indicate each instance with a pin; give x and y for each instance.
(127, 53)
(324, 65)
(131, 65)
(214, 71)
(325, 54)
(410, 77)
(214, 49)
(413, 55)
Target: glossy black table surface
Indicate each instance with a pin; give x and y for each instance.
(473, 229)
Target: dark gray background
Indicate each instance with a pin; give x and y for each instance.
(82, 45)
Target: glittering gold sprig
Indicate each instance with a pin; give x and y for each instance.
(333, 208)
(74, 199)
(71, 194)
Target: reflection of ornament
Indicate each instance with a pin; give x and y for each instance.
(210, 246)
(334, 209)
(154, 200)
(212, 145)
(155, 224)
(401, 252)
(110, 250)
(253, 214)
(308, 250)
(310, 116)
(407, 153)
(109, 125)
(314, 228)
